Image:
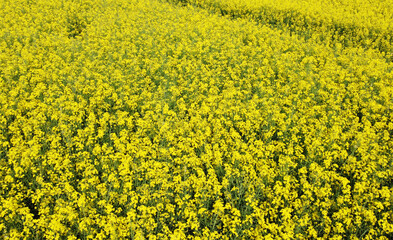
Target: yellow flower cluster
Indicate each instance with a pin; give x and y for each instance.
(127, 119)
(347, 22)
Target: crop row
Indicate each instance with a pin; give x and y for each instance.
(350, 23)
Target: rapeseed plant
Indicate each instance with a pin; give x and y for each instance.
(150, 120)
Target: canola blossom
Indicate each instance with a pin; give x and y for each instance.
(127, 119)
(349, 22)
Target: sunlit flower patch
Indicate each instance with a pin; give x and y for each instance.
(159, 120)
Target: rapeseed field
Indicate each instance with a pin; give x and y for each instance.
(190, 119)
